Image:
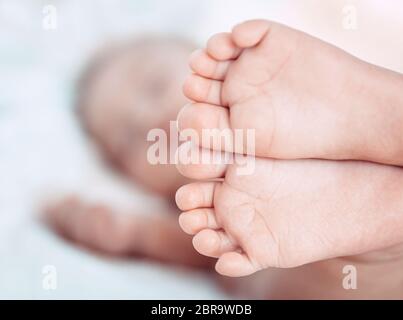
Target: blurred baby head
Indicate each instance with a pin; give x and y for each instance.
(128, 90)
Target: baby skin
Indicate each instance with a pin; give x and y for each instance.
(305, 99)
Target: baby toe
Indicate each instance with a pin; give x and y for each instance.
(202, 89)
(196, 195)
(208, 119)
(212, 243)
(235, 264)
(196, 220)
(197, 163)
(221, 47)
(204, 65)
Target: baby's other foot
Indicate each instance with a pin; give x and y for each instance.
(289, 213)
(305, 98)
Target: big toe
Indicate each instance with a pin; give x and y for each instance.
(250, 33)
(221, 47)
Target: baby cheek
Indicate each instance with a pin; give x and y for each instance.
(161, 178)
(173, 100)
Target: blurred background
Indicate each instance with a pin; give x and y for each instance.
(44, 46)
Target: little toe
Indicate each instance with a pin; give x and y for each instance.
(206, 118)
(196, 195)
(194, 221)
(204, 65)
(250, 33)
(221, 47)
(235, 264)
(212, 243)
(198, 163)
(202, 89)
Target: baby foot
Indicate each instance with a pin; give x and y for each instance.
(289, 212)
(304, 97)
